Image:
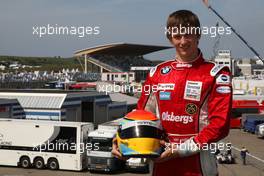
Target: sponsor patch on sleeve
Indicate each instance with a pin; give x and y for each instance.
(216, 69)
(223, 79)
(223, 89)
(193, 90)
(152, 71)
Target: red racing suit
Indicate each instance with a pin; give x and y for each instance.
(193, 101)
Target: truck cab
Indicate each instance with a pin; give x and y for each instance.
(137, 165)
(100, 157)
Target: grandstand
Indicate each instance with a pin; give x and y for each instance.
(117, 57)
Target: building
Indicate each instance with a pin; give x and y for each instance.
(11, 108)
(122, 77)
(250, 67)
(224, 58)
(82, 106)
(258, 68)
(131, 102)
(245, 66)
(241, 66)
(249, 86)
(119, 51)
(258, 72)
(141, 72)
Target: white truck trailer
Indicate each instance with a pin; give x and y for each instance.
(40, 144)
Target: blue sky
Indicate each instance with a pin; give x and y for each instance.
(130, 21)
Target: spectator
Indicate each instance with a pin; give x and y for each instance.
(243, 154)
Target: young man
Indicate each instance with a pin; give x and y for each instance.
(193, 101)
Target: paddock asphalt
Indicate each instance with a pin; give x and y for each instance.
(238, 138)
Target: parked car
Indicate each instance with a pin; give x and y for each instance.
(251, 124)
(260, 130)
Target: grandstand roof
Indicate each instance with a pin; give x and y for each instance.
(121, 49)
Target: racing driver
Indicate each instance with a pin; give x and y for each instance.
(192, 97)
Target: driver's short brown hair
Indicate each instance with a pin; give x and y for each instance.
(183, 18)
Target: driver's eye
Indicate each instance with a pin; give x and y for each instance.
(185, 36)
(178, 37)
(188, 36)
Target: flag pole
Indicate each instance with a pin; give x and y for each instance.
(238, 35)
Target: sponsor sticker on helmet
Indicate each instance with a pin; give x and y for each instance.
(165, 70)
(141, 122)
(193, 90)
(223, 89)
(223, 79)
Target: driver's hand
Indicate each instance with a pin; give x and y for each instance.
(115, 151)
(168, 154)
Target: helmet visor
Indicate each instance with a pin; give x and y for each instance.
(140, 129)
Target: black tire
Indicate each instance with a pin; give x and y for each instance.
(145, 170)
(233, 161)
(53, 164)
(220, 161)
(259, 136)
(25, 162)
(39, 163)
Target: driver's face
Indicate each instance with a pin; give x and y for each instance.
(185, 44)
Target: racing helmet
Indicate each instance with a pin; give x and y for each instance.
(139, 135)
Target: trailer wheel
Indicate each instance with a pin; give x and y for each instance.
(39, 163)
(25, 162)
(220, 161)
(53, 164)
(145, 170)
(259, 135)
